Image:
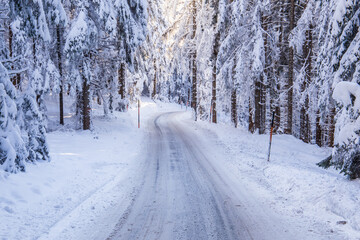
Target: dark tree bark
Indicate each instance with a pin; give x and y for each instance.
(215, 6)
(260, 105)
(86, 104)
(155, 80)
(17, 78)
(121, 80)
(214, 75)
(332, 127)
(251, 117)
(193, 61)
(319, 131)
(290, 82)
(234, 117)
(59, 55)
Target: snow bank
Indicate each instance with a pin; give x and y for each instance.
(322, 204)
(88, 184)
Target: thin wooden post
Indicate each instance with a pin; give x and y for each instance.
(210, 111)
(271, 132)
(138, 113)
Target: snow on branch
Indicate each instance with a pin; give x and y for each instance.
(10, 59)
(343, 92)
(11, 72)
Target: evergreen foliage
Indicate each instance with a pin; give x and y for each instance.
(233, 61)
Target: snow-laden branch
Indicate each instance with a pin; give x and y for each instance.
(10, 59)
(11, 72)
(343, 91)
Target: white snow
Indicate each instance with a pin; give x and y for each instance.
(342, 94)
(89, 183)
(291, 184)
(343, 91)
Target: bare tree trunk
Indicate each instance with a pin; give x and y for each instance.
(216, 46)
(194, 85)
(234, 116)
(260, 104)
(290, 82)
(280, 120)
(86, 104)
(257, 98)
(154, 90)
(319, 132)
(331, 127)
(193, 59)
(59, 53)
(309, 72)
(305, 128)
(251, 121)
(262, 107)
(121, 80)
(214, 75)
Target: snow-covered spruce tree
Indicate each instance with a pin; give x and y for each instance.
(129, 27)
(242, 61)
(346, 154)
(206, 41)
(28, 32)
(177, 40)
(13, 153)
(303, 40)
(33, 126)
(343, 42)
(182, 32)
(33, 36)
(151, 57)
(324, 78)
(57, 19)
(80, 42)
(233, 61)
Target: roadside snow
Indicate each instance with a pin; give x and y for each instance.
(85, 188)
(291, 183)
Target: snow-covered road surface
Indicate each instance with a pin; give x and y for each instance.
(184, 195)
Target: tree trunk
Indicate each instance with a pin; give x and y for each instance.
(260, 104)
(59, 53)
(309, 73)
(111, 103)
(214, 76)
(86, 104)
(154, 90)
(234, 107)
(121, 80)
(251, 121)
(193, 59)
(305, 127)
(213, 96)
(319, 133)
(290, 82)
(216, 46)
(331, 127)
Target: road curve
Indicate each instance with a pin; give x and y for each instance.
(182, 195)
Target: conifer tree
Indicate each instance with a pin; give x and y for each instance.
(13, 152)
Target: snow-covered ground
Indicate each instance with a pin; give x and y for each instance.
(91, 179)
(291, 183)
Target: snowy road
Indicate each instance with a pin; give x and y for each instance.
(185, 196)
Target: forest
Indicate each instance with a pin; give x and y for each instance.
(233, 61)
